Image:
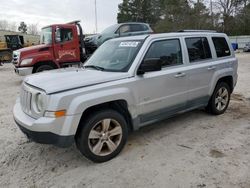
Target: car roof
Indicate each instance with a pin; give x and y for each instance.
(173, 34)
(133, 23)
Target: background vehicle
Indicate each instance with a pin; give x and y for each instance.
(247, 47)
(118, 30)
(61, 45)
(126, 84)
(11, 43)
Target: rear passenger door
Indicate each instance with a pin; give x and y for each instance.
(199, 70)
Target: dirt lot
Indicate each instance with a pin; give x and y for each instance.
(191, 150)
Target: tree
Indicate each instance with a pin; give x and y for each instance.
(139, 11)
(228, 9)
(176, 16)
(3, 25)
(12, 26)
(229, 16)
(124, 13)
(200, 11)
(22, 27)
(32, 29)
(243, 21)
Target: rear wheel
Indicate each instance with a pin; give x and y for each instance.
(103, 135)
(220, 99)
(42, 68)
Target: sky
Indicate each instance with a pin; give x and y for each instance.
(46, 12)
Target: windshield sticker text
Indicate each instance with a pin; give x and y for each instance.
(132, 44)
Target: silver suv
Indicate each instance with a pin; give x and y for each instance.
(127, 83)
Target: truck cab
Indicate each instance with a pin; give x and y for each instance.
(60, 45)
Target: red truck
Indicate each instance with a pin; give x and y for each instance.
(61, 45)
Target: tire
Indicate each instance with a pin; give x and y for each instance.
(42, 68)
(95, 140)
(220, 99)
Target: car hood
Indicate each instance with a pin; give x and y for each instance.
(33, 48)
(71, 78)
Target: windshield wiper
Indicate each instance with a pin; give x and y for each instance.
(94, 67)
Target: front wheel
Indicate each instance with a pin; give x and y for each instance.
(220, 99)
(102, 136)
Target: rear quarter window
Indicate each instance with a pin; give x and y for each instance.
(221, 47)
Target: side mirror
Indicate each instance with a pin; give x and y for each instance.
(149, 65)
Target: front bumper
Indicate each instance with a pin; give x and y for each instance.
(43, 130)
(47, 137)
(24, 71)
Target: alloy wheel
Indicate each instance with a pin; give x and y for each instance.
(105, 137)
(221, 99)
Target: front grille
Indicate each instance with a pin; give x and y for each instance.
(25, 99)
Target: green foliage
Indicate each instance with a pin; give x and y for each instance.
(22, 27)
(139, 11)
(229, 16)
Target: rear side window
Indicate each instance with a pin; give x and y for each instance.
(198, 49)
(221, 46)
(136, 27)
(169, 51)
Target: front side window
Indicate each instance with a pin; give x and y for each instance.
(168, 51)
(125, 29)
(46, 35)
(64, 34)
(116, 56)
(221, 46)
(198, 49)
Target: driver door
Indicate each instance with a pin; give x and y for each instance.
(66, 45)
(163, 93)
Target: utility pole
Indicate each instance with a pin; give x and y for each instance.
(96, 28)
(212, 14)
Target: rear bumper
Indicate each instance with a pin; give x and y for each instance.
(24, 71)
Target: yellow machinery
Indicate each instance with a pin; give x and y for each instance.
(10, 43)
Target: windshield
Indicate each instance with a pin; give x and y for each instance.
(46, 36)
(110, 29)
(116, 56)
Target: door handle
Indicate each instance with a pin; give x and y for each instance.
(211, 68)
(180, 75)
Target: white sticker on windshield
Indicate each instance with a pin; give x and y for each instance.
(132, 44)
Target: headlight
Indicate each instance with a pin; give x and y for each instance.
(16, 54)
(40, 102)
(26, 61)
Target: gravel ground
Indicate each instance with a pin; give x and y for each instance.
(192, 150)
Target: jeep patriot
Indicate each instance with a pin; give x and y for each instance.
(126, 84)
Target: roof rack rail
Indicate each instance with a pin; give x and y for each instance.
(74, 22)
(209, 31)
